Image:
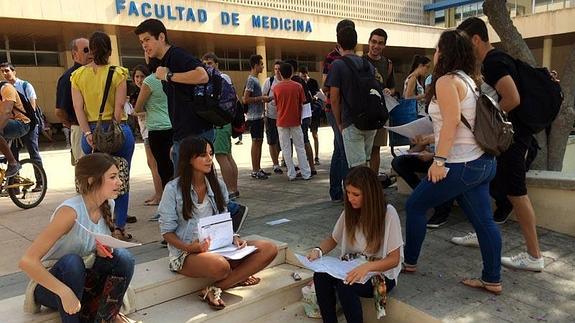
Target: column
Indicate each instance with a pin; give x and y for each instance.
(115, 57)
(547, 50)
(261, 50)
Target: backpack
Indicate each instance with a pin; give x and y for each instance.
(28, 109)
(239, 121)
(493, 132)
(367, 104)
(38, 113)
(215, 101)
(541, 97)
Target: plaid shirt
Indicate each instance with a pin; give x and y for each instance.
(329, 59)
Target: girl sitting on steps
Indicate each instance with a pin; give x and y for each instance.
(195, 193)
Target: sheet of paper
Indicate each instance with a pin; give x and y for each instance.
(320, 95)
(406, 152)
(421, 126)
(110, 241)
(276, 222)
(218, 228)
(233, 253)
(333, 266)
(390, 102)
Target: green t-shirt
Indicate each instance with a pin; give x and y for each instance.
(157, 117)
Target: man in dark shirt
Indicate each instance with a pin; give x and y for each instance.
(316, 110)
(384, 75)
(64, 107)
(338, 166)
(499, 71)
(179, 72)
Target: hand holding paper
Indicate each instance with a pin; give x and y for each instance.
(109, 241)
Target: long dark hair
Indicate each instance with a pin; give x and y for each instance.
(192, 147)
(370, 219)
(95, 166)
(136, 90)
(455, 53)
(418, 60)
(101, 47)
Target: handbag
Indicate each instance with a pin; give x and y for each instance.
(108, 140)
(493, 132)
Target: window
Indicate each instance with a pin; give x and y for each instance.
(29, 52)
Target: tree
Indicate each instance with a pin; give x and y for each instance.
(554, 143)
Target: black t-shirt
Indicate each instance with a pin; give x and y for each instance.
(313, 86)
(64, 94)
(308, 96)
(184, 121)
(498, 64)
(383, 74)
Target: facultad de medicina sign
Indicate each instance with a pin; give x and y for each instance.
(160, 11)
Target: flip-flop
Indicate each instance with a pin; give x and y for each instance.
(408, 269)
(250, 281)
(151, 203)
(494, 288)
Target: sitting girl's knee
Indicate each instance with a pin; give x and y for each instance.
(220, 268)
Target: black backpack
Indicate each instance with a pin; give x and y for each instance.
(28, 109)
(541, 97)
(239, 120)
(367, 104)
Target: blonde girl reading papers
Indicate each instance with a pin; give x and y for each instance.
(370, 228)
(78, 284)
(195, 193)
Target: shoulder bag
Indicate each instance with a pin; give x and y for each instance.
(108, 140)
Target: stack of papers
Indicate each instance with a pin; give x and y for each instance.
(334, 267)
(218, 228)
(232, 252)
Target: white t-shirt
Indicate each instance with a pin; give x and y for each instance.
(390, 241)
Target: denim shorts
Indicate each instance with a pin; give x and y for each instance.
(256, 128)
(15, 129)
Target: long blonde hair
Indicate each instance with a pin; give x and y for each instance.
(370, 218)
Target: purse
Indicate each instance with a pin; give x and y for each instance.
(108, 140)
(493, 132)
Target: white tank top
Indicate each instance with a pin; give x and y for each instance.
(465, 147)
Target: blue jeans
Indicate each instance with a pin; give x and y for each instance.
(326, 288)
(209, 135)
(338, 167)
(469, 184)
(30, 140)
(126, 152)
(14, 129)
(71, 270)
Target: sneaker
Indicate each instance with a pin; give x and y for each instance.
(278, 170)
(239, 142)
(131, 219)
(523, 261)
(38, 188)
(239, 217)
(265, 173)
(313, 172)
(316, 161)
(12, 170)
(154, 218)
(468, 240)
(259, 175)
(500, 215)
(437, 220)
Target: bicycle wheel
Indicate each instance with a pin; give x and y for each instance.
(28, 188)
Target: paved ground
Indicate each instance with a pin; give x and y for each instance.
(527, 297)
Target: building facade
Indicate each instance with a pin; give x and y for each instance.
(36, 33)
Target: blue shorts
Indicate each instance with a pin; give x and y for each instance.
(15, 129)
(256, 128)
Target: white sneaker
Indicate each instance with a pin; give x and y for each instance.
(468, 240)
(523, 261)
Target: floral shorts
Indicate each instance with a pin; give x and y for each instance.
(177, 263)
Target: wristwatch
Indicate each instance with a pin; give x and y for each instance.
(439, 161)
(169, 76)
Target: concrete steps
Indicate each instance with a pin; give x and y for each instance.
(152, 284)
(245, 304)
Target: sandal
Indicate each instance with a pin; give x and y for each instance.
(409, 269)
(494, 288)
(121, 234)
(215, 302)
(386, 180)
(123, 318)
(250, 281)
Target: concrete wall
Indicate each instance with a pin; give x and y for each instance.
(44, 80)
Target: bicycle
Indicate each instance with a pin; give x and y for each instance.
(26, 189)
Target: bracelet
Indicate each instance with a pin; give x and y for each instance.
(320, 251)
(236, 235)
(439, 157)
(87, 133)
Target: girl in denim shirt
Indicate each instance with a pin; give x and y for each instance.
(195, 193)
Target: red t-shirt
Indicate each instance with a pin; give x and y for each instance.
(289, 98)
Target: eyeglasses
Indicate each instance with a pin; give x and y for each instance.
(6, 70)
(86, 50)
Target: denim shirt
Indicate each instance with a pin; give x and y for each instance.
(171, 215)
